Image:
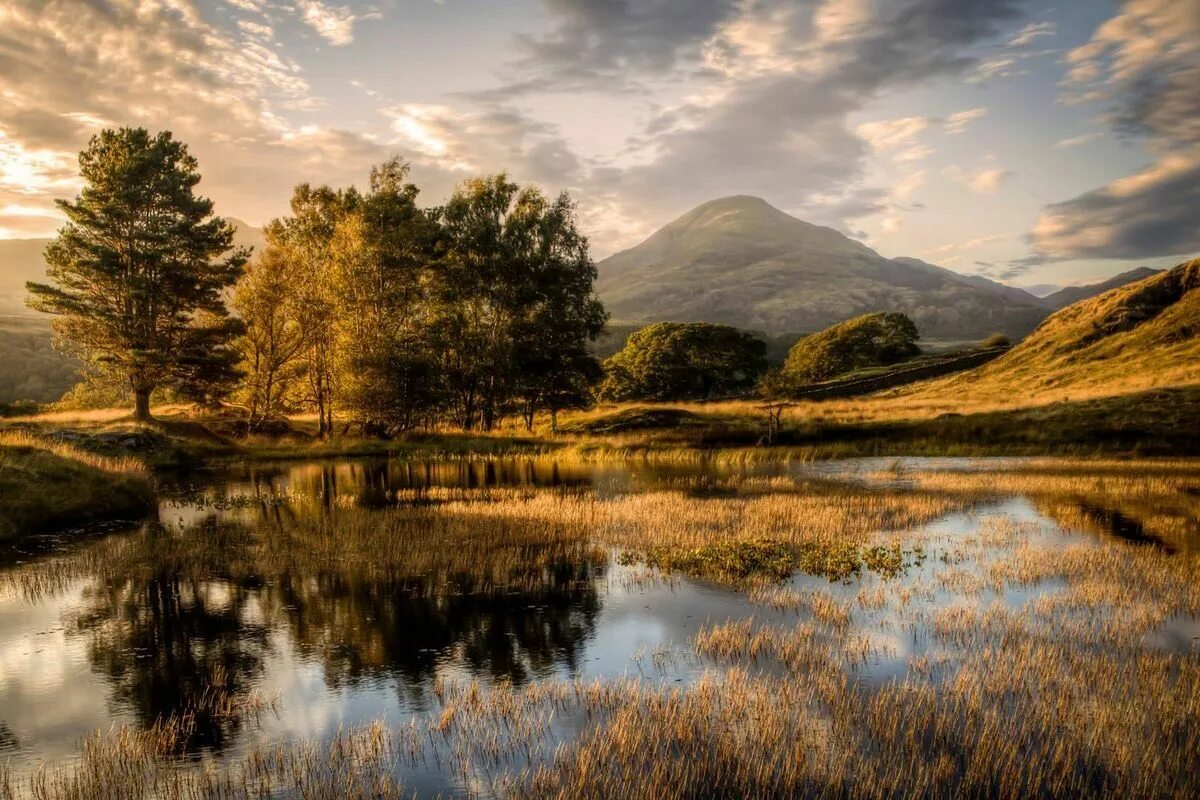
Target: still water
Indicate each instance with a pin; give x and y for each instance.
(88, 641)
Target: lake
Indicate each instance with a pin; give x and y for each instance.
(492, 611)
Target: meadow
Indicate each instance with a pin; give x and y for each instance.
(867, 628)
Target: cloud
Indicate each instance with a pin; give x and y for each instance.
(957, 122)
(1144, 64)
(984, 180)
(449, 144)
(1033, 31)
(960, 247)
(889, 134)
(1078, 141)
(334, 24)
(771, 87)
(1149, 214)
(987, 181)
(72, 68)
(607, 43)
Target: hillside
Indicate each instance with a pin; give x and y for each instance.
(740, 261)
(1073, 294)
(30, 367)
(1141, 336)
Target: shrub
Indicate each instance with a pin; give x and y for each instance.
(871, 340)
(683, 361)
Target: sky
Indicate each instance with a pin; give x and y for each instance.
(1031, 142)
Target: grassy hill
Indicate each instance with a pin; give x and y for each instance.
(1142, 336)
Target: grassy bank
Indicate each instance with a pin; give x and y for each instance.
(1152, 423)
(45, 486)
(1158, 423)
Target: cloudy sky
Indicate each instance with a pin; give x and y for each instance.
(1037, 142)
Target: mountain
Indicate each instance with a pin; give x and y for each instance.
(1012, 293)
(742, 262)
(21, 261)
(1042, 289)
(1073, 294)
(1140, 336)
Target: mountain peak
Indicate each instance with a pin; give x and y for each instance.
(738, 206)
(739, 260)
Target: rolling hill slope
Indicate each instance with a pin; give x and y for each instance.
(1141, 336)
(742, 262)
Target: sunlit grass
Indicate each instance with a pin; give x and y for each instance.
(1062, 692)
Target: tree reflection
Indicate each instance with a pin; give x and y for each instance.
(361, 628)
(173, 617)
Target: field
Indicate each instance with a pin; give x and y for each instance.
(893, 628)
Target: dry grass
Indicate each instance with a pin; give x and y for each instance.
(46, 485)
(1061, 692)
(23, 441)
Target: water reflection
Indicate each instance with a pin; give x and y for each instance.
(166, 644)
(297, 578)
(174, 617)
(362, 630)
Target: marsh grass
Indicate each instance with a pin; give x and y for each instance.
(1027, 661)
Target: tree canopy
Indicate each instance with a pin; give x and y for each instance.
(683, 361)
(402, 317)
(869, 340)
(137, 275)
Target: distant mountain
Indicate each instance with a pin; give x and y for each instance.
(1140, 336)
(1073, 294)
(1042, 289)
(742, 262)
(21, 261)
(1012, 293)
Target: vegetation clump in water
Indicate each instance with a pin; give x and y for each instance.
(737, 561)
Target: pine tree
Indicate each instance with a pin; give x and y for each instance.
(138, 272)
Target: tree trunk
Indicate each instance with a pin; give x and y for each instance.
(141, 404)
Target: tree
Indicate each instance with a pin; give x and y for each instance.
(517, 299)
(382, 270)
(683, 361)
(307, 236)
(137, 273)
(878, 339)
(273, 342)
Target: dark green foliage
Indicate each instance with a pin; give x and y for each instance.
(519, 310)
(19, 408)
(137, 273)
(867, 341)
(683, 361)
(727, 561)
